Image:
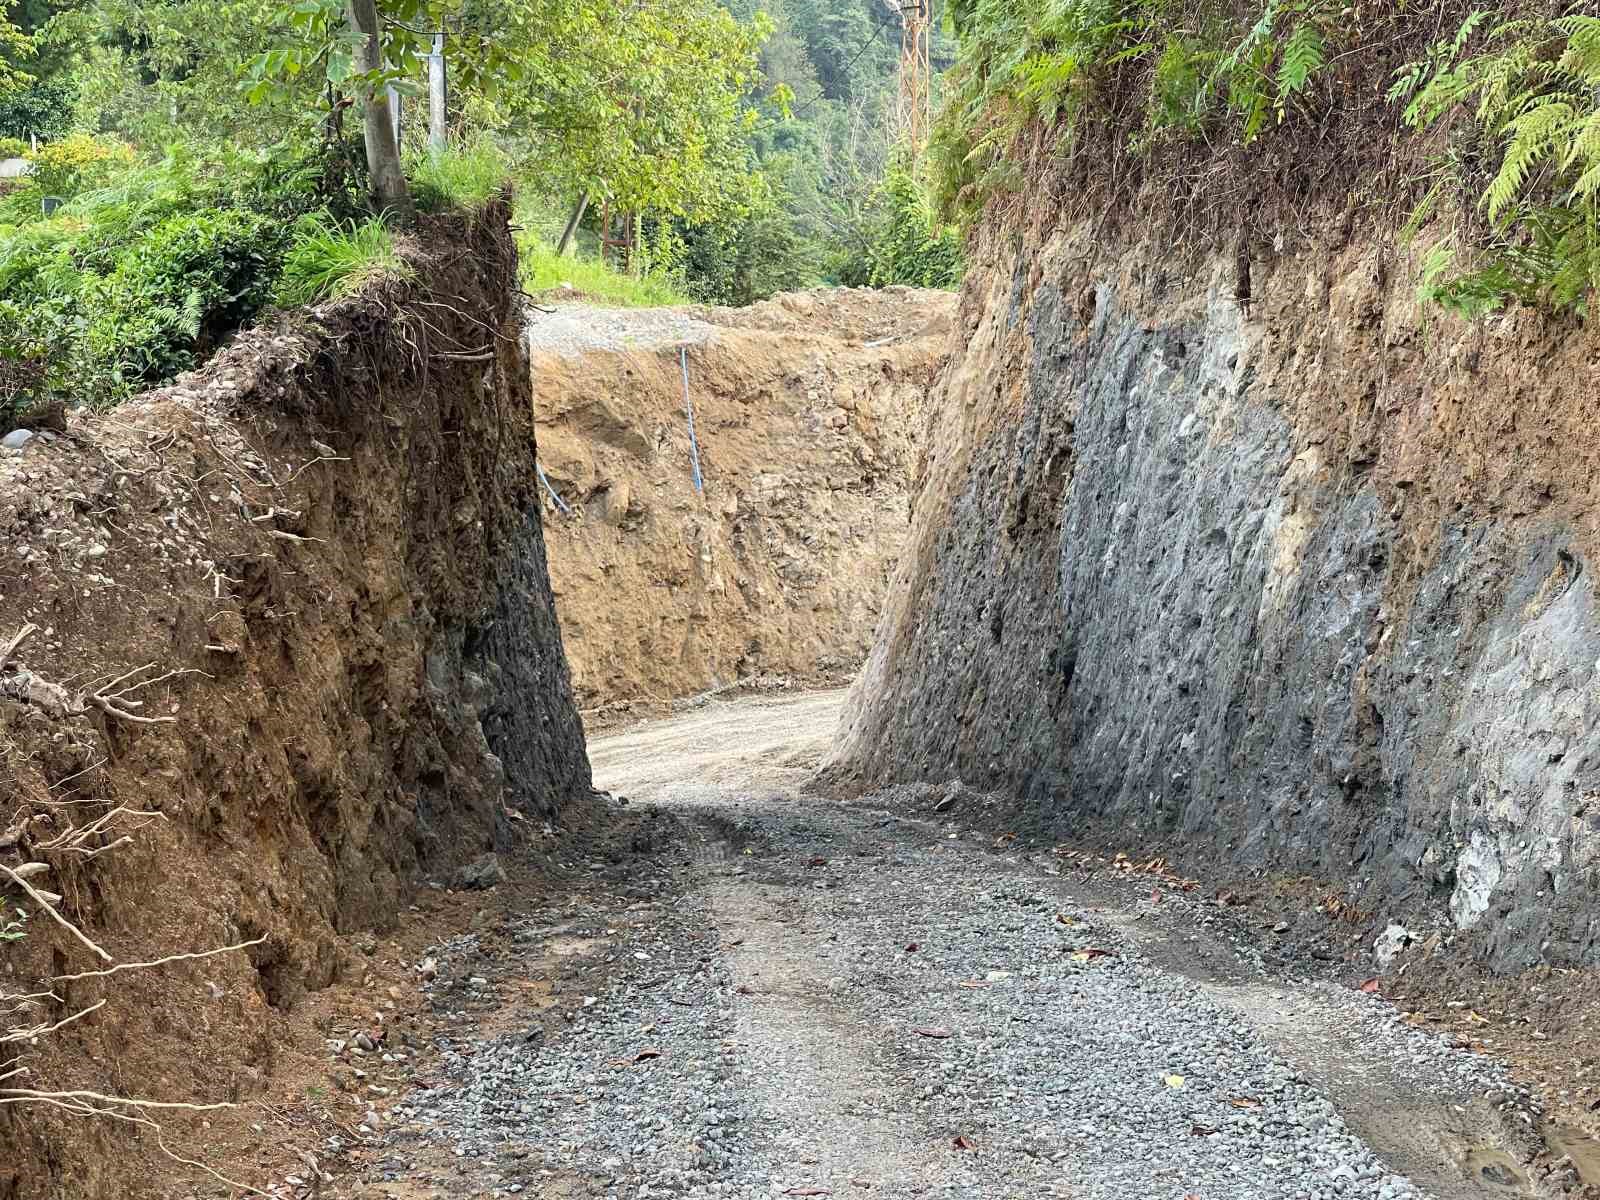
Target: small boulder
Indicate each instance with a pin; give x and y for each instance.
(1390, 942)
(480, 874)
(17, 439)
(619, 496)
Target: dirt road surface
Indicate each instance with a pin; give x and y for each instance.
(765, 994)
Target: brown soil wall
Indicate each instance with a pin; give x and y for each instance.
(808, 410)
(331, 530)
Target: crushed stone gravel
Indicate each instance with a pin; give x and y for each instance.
(834, 1000)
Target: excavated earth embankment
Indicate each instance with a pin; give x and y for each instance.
(807, 412)
(1250, 555)
(327, 547)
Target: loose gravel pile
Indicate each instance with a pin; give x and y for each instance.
(839, 1003)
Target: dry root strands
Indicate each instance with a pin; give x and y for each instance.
(44, 905)
(114, 697)
(134, 1112)
(159, 962)
(29, 1033)
(20, 1023)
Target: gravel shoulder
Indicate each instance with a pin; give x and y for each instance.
(768, 994)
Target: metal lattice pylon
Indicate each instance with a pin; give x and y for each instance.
(914, 107)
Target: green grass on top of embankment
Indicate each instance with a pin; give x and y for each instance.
(581, 274)
(543, 270)
(149, 264)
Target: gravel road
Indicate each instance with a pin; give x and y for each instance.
(775, 995)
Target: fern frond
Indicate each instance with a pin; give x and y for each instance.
(1582, 55)
(1584, 147)
(1587, 187)
(1531, 138)
(1303, 56)
(1468, 28)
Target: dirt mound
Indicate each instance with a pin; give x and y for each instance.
(807, 412)
(327, 548)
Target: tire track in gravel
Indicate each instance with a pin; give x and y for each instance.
(857, 1000)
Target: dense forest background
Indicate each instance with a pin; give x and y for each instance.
(171, 169)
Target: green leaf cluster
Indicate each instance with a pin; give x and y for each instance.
(1530, 89)
(1198, 68)
(12, 921)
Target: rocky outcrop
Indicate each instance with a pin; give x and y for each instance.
(1300, 582)
(807, 411)
(330, 536)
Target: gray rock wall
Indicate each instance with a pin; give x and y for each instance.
(1168, 596)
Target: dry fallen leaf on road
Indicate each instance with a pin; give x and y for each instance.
(808, 1192)
(913, 947)
(933, 1031)
(817, 862)
(1173, 1081)
(1245, 1102)
(1064, 919)
(972, 983)
(1155, 896)
(962, 1142)
(1201, 1131)
(1369, 986)
(1090, 953)
(648, 1052)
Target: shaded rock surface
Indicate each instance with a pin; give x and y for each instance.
(1298, 585)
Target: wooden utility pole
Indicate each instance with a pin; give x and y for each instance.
(569, 235)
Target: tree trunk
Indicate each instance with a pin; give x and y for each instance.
(389, 191)
(569, 235)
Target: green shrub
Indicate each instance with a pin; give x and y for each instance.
(12, 147)
(911, 249)
(139, 277)
(327, 261)
(742, 258)
(41, 109)
(77, 162)
(177, 290)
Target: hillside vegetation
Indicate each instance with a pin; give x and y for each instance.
(190, 167)
(1481, 125)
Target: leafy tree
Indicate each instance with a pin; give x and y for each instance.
(912, 248)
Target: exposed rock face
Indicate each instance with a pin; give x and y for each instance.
(1297, 585)
(807, 412)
